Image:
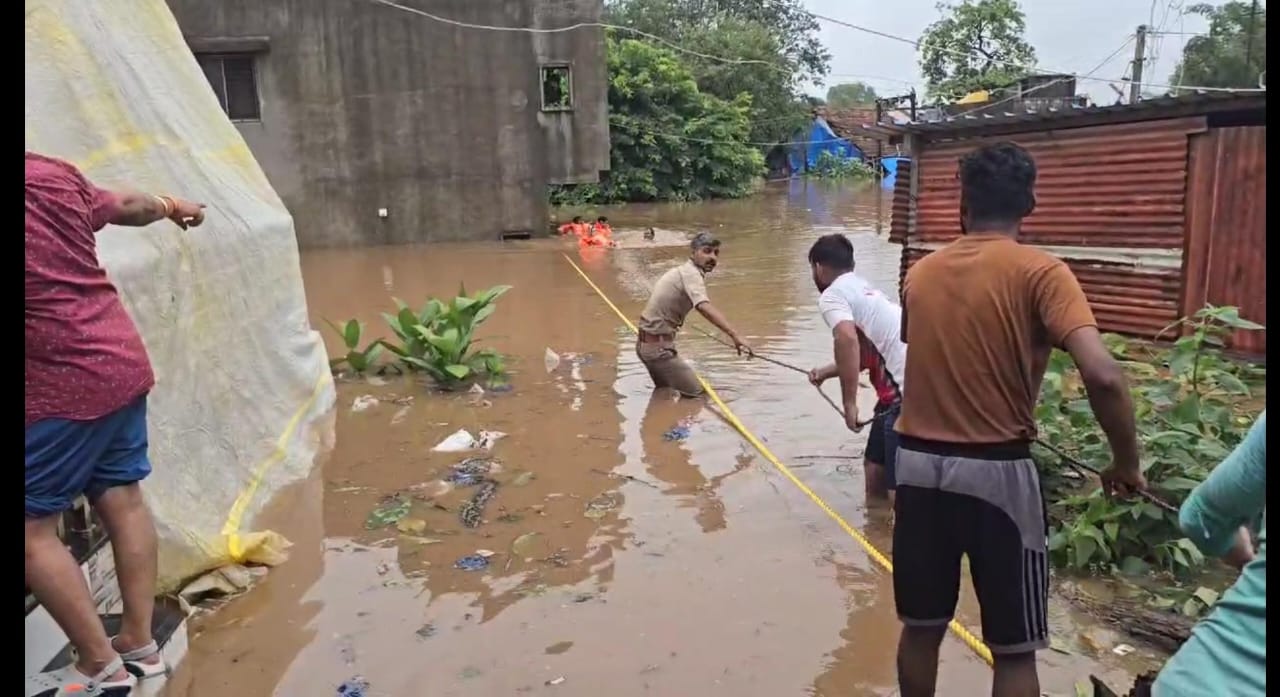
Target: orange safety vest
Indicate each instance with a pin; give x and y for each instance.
(578, 229)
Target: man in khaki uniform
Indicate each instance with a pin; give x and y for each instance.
(678, 291)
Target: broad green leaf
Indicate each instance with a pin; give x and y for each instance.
(494, 293)
(1188, 410)
(351, 333)
(457, 370)
(1057, 541)
(1134, 566)
(357, 361)
(1084, 549)
(430, 312)
(1178, 484)
(1112, 529)
(1230, 316)
(1232, 384)
(483, 313)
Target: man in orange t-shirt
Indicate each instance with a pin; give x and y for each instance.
(979, 317)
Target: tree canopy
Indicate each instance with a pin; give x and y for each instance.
(851, 94)
(670, 141)
(1232, 54)
(774, 46)
(974, 46)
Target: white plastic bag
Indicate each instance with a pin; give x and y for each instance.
(461, 441)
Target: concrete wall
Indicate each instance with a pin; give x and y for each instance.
(366, 106)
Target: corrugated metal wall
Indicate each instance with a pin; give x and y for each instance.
(1110, 200)
(1226, 237)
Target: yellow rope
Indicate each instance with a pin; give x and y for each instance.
(958, 629)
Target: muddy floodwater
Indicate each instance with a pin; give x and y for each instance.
(624, 561)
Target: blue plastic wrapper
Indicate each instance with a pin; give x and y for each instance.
(355, 687)
(677, 433)
(471, 562)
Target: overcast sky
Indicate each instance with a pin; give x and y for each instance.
(1070, 36)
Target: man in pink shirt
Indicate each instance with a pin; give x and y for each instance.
(87, 379)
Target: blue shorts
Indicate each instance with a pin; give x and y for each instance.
(882, 443)
(67, 459)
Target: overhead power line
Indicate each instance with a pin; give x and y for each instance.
(960, 52)
(745, 61)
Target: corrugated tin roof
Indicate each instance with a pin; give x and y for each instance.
(1060, 117)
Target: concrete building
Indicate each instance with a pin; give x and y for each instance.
(380, 124)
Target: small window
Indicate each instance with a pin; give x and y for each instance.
(557, 88)
(235, 83)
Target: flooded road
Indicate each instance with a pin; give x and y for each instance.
(619, 557)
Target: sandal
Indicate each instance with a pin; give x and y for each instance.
(134, 664)
(70, 682)
(133, 661)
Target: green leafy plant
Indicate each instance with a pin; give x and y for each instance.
(832, 166)
(439, 339)
(357, 359)
(1192, 406)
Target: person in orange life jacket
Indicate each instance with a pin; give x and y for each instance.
(601, 228)
(576, 227)
(599, 234)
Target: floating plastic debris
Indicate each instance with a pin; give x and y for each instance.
(472, 562)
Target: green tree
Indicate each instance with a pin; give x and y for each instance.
(1232, 54)
(851, 94)
(671, 141)
(976, 45)
(775, 46)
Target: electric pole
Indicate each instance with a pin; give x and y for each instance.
(1139, 55)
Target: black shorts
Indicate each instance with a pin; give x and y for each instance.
(983, 502)
(882, 442)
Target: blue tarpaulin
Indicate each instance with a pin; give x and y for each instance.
(817, 139)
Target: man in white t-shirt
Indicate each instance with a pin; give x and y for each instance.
(865, 326)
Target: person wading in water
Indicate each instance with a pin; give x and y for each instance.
(979, 317)
(864, 325)
(678, 291)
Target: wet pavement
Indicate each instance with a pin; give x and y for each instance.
(615, 556)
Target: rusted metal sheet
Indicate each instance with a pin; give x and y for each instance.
(1226, 242)
(1111, 186)
(1110, 200)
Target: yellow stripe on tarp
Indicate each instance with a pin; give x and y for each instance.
(231, 530)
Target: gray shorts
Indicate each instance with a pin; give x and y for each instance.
(983, 502)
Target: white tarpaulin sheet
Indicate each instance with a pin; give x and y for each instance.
(241, 377)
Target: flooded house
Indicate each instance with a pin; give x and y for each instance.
(1158, 207)
(416, 121)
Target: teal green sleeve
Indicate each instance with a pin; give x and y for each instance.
(1234, 494)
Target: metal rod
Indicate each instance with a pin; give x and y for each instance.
(1078, 465)
(783, 364)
